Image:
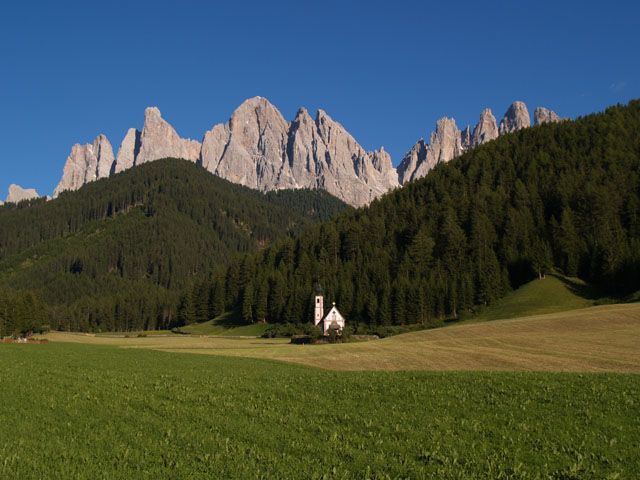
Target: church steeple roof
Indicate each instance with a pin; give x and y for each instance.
(318, 289)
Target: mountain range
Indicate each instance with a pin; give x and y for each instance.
(259, 149)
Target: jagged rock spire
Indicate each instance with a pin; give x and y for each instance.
(85, 164)
(516, 118)
(160, 140)
(485, 130)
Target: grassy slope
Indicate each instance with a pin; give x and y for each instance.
(80, 411)
(555, 293)
(227, 324)
(596, 339)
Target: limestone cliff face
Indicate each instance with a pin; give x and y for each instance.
(485, 130)
(516, 117)
(254, 153)
(85, 164)
(466, 138)
(446, 143)
(128, 151)
(409, 164)
(17, 194)
(160, 140)
(342, 166)
(260, 149)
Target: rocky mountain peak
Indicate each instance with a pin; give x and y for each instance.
(446, 140)
(255, 143)
(17, 194)
(259, 126)
(302, 112)
(515, 118)
(152, 116)
(445, 144)
(159, 140)
(86, 163)
(543, 115)
(104, 156)
(485, 130)
(260, 149)
(258, 107)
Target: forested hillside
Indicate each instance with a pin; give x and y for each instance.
(156, 246)
(560, 194)
(111, 255)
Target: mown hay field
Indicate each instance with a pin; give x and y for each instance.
(97, 411)
(595, 339)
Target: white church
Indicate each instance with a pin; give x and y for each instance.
(332, 321)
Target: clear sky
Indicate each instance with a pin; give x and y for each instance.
(385, 70)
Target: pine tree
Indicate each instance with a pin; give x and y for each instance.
(247, 303)
(261, 305)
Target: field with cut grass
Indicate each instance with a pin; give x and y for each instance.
(95, 411)
(596, 339)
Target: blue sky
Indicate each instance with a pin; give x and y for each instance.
(385, 70)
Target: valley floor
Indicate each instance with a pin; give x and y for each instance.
(91, 407)
(596, 339)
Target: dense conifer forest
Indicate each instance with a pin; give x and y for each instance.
(563, 195)
(157, 247)
(112, 255)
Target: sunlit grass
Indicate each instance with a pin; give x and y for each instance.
(89, 411)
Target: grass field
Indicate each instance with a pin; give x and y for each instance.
(596, 339)
(475, 400)
(90, 411)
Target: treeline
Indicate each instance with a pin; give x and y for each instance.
(110, 255)
(22, 313)
(561, 195)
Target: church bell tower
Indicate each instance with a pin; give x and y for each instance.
(319, 308)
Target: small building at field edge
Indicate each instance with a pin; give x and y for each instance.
(332, 321)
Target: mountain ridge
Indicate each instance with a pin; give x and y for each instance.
(259, 148)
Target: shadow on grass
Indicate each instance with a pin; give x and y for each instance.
(230, 320)
(583, 290)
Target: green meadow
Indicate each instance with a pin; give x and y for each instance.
(553, 394)
(556, 293)
(98, 411)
